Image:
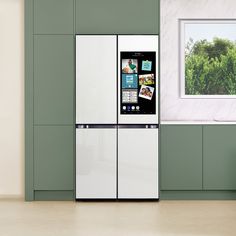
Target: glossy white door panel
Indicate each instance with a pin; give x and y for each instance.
(95, 163)
(138, 43)
(138, 163)
(96, 79)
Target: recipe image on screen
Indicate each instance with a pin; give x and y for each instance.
(138, 83)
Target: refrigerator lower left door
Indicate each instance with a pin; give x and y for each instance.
(95, 163)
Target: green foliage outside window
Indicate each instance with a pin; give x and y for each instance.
(210, 67)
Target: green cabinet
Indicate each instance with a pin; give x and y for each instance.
(219, 157)
(53, 16)
(53, 101)
(54, 158)
(50, 28)
(117, 16)
(54, 79)
(198, 161)
(181, 157)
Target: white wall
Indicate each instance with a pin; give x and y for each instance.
(11, 97)
(172, 106)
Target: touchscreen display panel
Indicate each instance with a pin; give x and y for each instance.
(138, 83)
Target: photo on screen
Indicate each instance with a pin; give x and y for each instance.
(129, 81)
(129, 66)
(129, 95)
(146, 65)
(147, 79)
(146, 92)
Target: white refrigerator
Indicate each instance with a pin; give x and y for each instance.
(117, 117)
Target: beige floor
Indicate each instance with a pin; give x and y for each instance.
(185, 218)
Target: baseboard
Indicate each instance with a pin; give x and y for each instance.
(11, 197)
(53, 195)
(198, 195)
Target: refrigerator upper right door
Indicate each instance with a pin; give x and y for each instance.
(138, 79)
(96, 75)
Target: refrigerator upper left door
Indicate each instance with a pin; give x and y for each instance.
(96, 79)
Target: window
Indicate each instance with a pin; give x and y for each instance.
(207, 58)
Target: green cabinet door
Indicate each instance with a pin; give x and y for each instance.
(181, 157)
(53, 16)
(219, 157)
(53, 158)
(117, 16)
(54, 80)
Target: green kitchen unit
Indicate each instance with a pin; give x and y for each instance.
(50, 30)
(198, 161)
(219, 162)
(181, 157)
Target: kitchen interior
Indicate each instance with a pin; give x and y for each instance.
(129, 118)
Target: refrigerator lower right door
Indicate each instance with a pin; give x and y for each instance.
(96, 163)
(138, 163)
